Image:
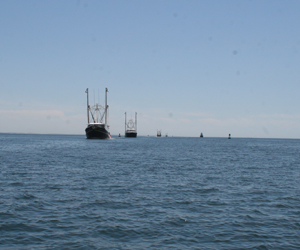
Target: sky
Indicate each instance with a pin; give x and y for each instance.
(185, 67)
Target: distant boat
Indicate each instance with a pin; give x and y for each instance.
(229, 136)
(119, 135)
(158, 133)
(201, 135)
(166, 134)
(97, 128)
(131, 127)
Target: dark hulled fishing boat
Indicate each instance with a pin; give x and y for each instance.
(97, 129)
(131, 127)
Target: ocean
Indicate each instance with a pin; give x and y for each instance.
(67, 192)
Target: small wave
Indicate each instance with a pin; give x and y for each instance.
(280, 205)
(6, 215)
(26, 196)
(208, 190)
(21, 227)
(291, 198)
(217, 202)
(256, 211)
(54, 187)
(16, 184)
(260, 247)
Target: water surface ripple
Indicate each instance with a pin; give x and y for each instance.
(67, 192)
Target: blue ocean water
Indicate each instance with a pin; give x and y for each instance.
(67, 192)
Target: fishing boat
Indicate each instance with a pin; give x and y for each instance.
(97, 127)
(131, 127)
(158, 133)
(229, 136)
(201, 135)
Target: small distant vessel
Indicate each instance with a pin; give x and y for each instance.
(158, 133)
(229, 136)
(119, 135)
(166, 134)
(201, 135)
(131, 127)
(97, 128)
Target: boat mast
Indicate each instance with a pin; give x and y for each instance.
(125, 122)
(88, 113)
(106, 90)
(135, 121)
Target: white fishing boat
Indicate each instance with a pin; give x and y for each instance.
(131, 127)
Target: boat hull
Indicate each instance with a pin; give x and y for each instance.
(130, 134)
(95, 132)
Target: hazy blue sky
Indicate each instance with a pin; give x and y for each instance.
(186, 67)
